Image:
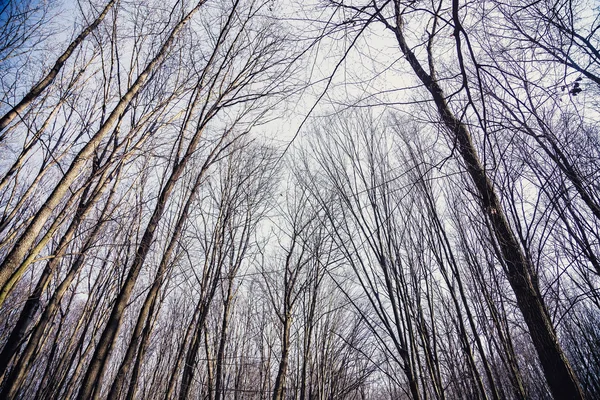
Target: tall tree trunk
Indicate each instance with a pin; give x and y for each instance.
(222, 342)
(557, 370)
(105, 344)
(448, 254)
(20, 270)
(18, 163)
(192, 353)
(308, 333)
(143, 347)
(279, 388)
(192, 326)
(33, 302)
(209, 367)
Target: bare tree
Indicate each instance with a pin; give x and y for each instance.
(433, 234)
(47, 80)
(519, 267)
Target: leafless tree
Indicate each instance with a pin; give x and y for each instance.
(427, 229)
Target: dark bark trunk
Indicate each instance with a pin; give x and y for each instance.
(557, 370)
(222, 342)
(279, 388)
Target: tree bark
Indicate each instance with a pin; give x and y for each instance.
(279, 388)
(33, 303)
(557, 370)
(222, 342)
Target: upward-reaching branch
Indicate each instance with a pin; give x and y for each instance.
(47, 80)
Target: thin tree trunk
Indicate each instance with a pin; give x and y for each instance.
(209, 367)
(16, 275)
(105, 344)
(50, 365)
(71, 383)
(143, 347)
(33, 303)
(8, 218)
(515, 376)
(211, 283)
(169, 394)
(446, 248)
(18, 163)
(308, 332)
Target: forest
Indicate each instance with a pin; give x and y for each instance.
(299, 200)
